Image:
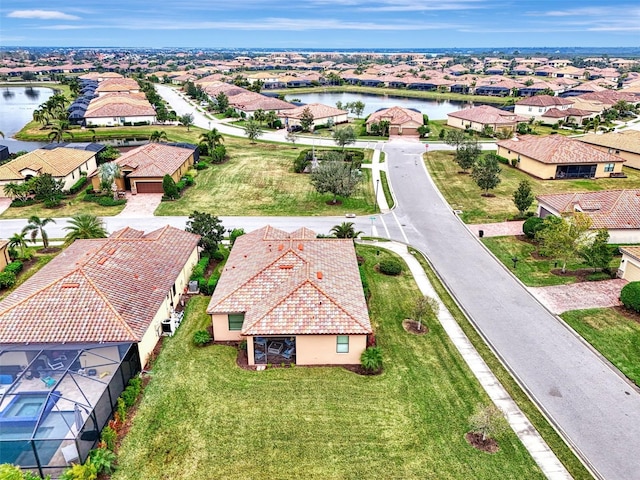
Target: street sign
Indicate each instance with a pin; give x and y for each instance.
(426, 146)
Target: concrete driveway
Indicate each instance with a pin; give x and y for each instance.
(141, 205)
(580, 296)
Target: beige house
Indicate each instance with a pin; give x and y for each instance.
(111, 290)
(322, 115)
(117, 109)
(478, 118)
(143, 168)
(293, 297)
(625, 144)
(630, 264)
(402, 121)
(538, 105)
(559, 157)
(66, 164)
(616, 210)
(117, 85)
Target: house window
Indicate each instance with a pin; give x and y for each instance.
(342, 344)
(235, 321)
(608, 167)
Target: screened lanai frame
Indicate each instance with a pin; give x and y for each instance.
(55, 400)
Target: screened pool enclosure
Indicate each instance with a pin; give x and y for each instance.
(55, 400)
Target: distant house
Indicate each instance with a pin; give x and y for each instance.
(616, 210)
(115, 109)
(402, 121)
(477, 118)
(625, 144)
(322, 115)
(66, 164)
(538, 105)
(559, 157)
(293, 297)
(144, 167)
(630, 264)
(117, 85)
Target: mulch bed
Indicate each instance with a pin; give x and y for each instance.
(625, 312)
(487, 195)
(581, 274)
(488, 445)
(49, 250)
(413, 327)
(331, 203)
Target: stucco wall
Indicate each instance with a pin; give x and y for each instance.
(624, 236)
(110, 121)
(630, 268)
(321, 350)
(221, 330)
(631, 159)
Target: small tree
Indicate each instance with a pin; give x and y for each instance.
(487, 420)
(425, 307)
(187, 120)
(467, 154)
(523, 196)
(454, 138)
(36, 226)
(252, 130)
(222, 102)
(234, 234)
(597, 254)
(210, 229)
(486, 173)
(170, 188)
(45, 187)
(563, 238)
(345, 230)
(344, 136)
(338, 178)
(306, 119)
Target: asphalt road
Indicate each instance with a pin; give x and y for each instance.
(598, 410)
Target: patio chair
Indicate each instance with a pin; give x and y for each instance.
(288, 353)
(56, 365)
(48, 381)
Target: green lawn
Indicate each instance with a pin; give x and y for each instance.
(462, 193)
(203, 417)
(259, 180)
(73, 205)
(40, 260)
(612, 334)
(531, 271)
(386, 189)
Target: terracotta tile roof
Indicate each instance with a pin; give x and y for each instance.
(632, 252)
(97, 75)
(251, 101)
(318, 111)
(154, 159)
(396, 116)
(292, 284)
(628, 140)
(611, 209)
(557, 149)
(543, 101)
(487, 115)
(569, 112)
(58, 162)
(98, 290)
(118, 85)
(120, 105)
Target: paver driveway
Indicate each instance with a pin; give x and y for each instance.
(580, 296)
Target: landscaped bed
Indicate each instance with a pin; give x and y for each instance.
(204, 417)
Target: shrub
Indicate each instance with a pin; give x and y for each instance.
(79, 185)
(23, 203)
(219, 154)
(90, 190)
(302, 161)
(365, 284)
(181, 185)
(187, 179)
(235, 233)
(597, 276)
(201, 338)
(109, 437)
(390, 267)
(201, 266)
(88, 471)
(52, 202)
(104, 200)
(531, 226)
(201, 166)
(630, 296)
(7, 279)
(103, 459)
(171, 190)
(212, 283)
(371, 359)
(218, 256)
(130, 394)
(14, 267)
(502, 160)
(121, 409)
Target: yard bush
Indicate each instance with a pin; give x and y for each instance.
(201, 338)
(109, 437)
(597, 276)
(201, 266)
(87, 471)
(79, 185)
(218, 256)
(7, 279)
(212, 283)
(390, 267)
(365, 284)
(630, 296)
(201, 166)
(52, 202)
(14, 267)
(219, 154)
(371, 359)
(130, 394)
(531, 226)
(187, 179)
(302, 161)
(104, 200)
(23, 203)
(103, 459)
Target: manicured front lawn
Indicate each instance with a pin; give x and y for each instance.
(259, 180)
(71, 206)
(30, 268)
(462, 193)
(203, 417)
(531, 271)
(614, 335)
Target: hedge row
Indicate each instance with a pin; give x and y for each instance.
(79, 185)
(104, 200)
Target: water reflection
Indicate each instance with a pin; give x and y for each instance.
(8, 94)
(31, 93)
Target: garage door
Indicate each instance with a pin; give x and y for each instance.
(149, 187)
(410, 131)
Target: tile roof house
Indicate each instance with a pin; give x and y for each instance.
(477, 118)
(630, 264)
(117, 85)
(625, 144)
(616, 210)
(322, 114)
(113, 109)
(144, 167)
(293, 297)
(559, 157)
(110, 290)
(402, 121)
(62, 163)
(537, 105)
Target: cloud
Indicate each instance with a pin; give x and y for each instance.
(42, 15)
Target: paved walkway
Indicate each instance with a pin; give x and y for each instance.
(499, 229)
(4, 204)
(142, 205)
(529, 436)
(580, 296)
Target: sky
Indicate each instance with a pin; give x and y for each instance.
(330, 24)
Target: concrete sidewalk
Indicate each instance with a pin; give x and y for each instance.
(528, 435)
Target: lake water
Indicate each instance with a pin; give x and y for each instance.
(435, 109)
(16, 110)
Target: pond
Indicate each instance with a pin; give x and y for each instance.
(435, 109)
(16, 110)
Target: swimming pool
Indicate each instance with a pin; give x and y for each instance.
(25, 408)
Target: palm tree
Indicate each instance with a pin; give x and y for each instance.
(19, 191)
(18, 240)
(270, 118)
(107, 173)
(212, 139)
(158, 136)
(36, 226)
(58, 131)
(85, 225)
(258, 115)
(345, 230)
(252, 130)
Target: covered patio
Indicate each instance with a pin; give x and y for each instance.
(272, 350)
